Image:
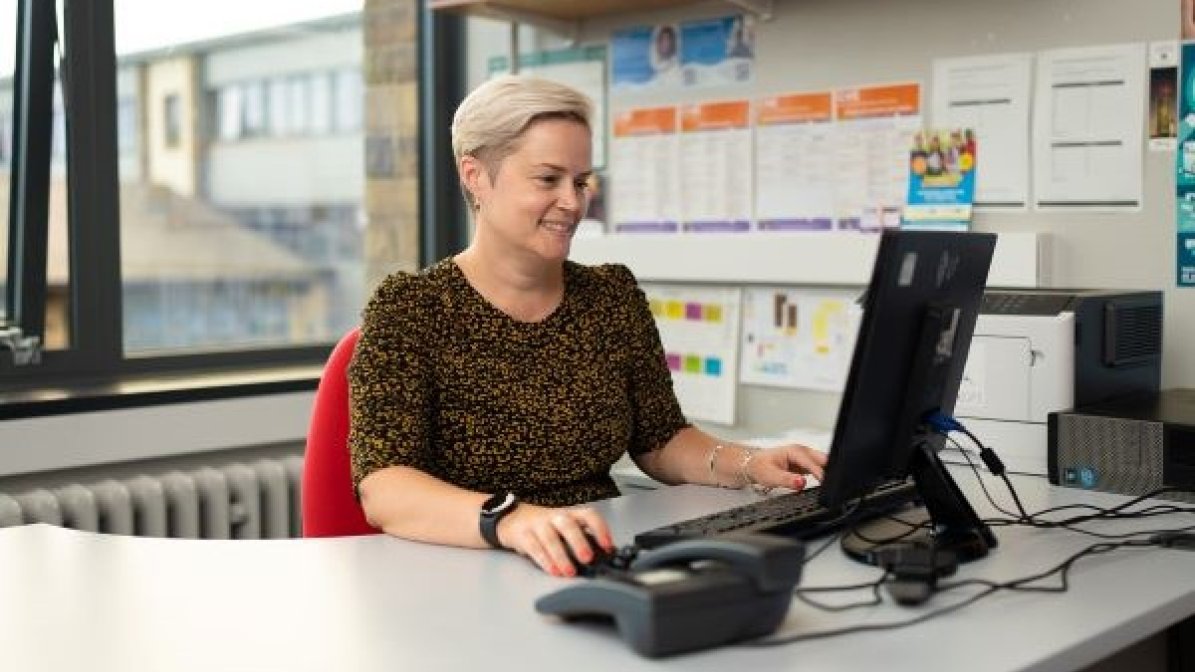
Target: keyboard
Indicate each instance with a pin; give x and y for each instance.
(799, 515)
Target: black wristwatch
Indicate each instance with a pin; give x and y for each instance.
(492, 511)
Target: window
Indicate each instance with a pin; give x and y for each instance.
(279, 110)
(321, 103)
(126, 125)
(59, 153)
(202, 270)
(188, 246)
(8, 25)
(298, 103)
(231, 113)
(349, 100)
(173, 116)
(58, 291)
(254, 120)
(5, 129)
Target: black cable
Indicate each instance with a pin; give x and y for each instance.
(840, 523)
(1034, 520)
(874, 586)
(792, 639)
(912, 528)
(1155, 539)
(821, 549)
(834, 589)
(979, 477)
(1022, 585)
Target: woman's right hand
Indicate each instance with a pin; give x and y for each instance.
(541, 534)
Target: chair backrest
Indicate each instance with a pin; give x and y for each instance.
(330, 507)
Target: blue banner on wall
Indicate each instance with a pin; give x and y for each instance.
(1184, 171)
(1186, 259)
(717, 52)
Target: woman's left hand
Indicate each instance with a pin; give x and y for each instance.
(785, 466)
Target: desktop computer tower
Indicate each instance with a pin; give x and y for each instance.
(1128, 446)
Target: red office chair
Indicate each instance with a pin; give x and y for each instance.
(330, 508)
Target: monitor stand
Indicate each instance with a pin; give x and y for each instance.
(954, 525)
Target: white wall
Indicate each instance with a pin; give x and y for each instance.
(820, 44)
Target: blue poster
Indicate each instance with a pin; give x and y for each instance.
(1184, 170)
(941, 180)
(1186, 259)
(1184, 208)
(717, 51)
(645, 56)
(1186, 131)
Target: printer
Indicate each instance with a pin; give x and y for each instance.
(1038, 351)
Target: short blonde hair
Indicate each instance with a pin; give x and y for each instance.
(492, 119)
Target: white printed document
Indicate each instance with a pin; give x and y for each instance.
(799, 338)
(794, 164)
(643, 176)
(990, 95)
(716, 177)
(1088, 128)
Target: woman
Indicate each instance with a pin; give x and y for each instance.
(492, 392)
(663, 54)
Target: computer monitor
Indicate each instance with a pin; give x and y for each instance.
(919, 313)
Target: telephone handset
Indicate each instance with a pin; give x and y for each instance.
(692, 594)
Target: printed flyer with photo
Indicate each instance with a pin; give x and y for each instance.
(941, 180)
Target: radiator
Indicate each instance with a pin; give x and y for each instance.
(256, 500)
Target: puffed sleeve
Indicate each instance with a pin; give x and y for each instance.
(390, 385)
(657, 413)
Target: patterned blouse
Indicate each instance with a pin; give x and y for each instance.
(443, 381)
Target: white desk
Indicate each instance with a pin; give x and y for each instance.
(81, 601)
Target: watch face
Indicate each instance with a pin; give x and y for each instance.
(498, 503)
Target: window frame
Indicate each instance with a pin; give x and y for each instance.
(29, 167)
(97, 352)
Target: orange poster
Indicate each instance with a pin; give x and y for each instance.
(795, 108)
(721, 115)
(645, 121)
(889, 100)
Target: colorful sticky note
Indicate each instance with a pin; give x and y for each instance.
(693, 311)
(673, 361)
(676, 310)
(657, 307)
(713, 313)
(692, 364)
(713, 366)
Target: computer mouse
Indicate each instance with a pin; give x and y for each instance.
(603, 561)
(600, 561)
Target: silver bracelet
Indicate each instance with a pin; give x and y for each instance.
(712, 459)
(744, 473)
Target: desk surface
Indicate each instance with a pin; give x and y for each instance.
(73, 601)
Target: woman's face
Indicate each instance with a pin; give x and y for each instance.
(541, 190)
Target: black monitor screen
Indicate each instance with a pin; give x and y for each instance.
(918, 316)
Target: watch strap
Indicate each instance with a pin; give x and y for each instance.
(492, 512)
